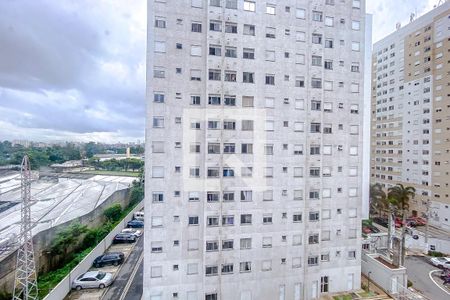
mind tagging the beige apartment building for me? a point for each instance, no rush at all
(410, 118)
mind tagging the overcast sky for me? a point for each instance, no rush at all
(75, 69)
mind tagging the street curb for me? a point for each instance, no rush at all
(118, 270)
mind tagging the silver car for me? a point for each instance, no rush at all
(92, 279)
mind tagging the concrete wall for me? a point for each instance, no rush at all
(381, 274)
(64, 287)
(43, 239)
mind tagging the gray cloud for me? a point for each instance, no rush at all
(72, 68)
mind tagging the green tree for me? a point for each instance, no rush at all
(378, 199)
(113, 212)
(399, 196)
(67, 237)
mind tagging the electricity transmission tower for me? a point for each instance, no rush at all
(25, 283)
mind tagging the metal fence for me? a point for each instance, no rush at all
(64, 287)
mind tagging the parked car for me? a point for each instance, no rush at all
(138, 215)
(135, 224)
(112, 258)
(133, 231)
(381, 221)
(418, 221)
(124, 238)
(92, 279)
(399, 222)
(441, 262)
(373, 228)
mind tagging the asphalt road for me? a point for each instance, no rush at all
(418, 270)
(116, 290)
(136, 287)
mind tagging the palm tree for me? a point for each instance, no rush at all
(399, 196)
(378, 198)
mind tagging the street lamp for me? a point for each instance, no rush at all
(368, 281)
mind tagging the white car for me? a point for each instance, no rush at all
(92, 280)
(441, 262)
(135, 232)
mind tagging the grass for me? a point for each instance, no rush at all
(366, 294)
(113, 173)
(51, 279)
(342, 297)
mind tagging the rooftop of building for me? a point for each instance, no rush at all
(55, 201)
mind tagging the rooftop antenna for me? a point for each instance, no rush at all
(25, 283)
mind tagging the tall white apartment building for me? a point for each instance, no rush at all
(410, 113)
(254, 148)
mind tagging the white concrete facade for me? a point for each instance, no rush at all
(409, 119)
(254, 148)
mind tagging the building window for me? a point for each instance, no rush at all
(316, 60)
(249, 29)
(313, 260)
(249, 5)
(230, 27)
(297, 217)
(248, 77)
(313, 239)
(247, 148)
(246, 243)
(314, 216)
(229, 125)
(270, 79)
(215, 25)
(215, 50)
(246, 196)
(160, 22)
(228, 197)
(230, 76)
(231, 52)
(227, 268)
(211, 271)
(212, 246)
(300, 13)
(324, 284)
(231, 4)
(229, 148)
(212, 196)
(214, 99)
(228, 220)
(245, 266)
(270, 32)
(247, 101)
(193, 220)
(212, 221)
(246, 219)
(214, 74)
(299, 81)
(316, 38)
(270, 9)
(248, 53)
(317, 16)
(196, 27)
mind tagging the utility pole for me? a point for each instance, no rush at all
(403, 253)
(25, 283)
(426, 224)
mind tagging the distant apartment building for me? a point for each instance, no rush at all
(254, 149)
(411, 113)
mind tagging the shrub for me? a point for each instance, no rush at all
(113, 213)
(436, 253)
(410, 284)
